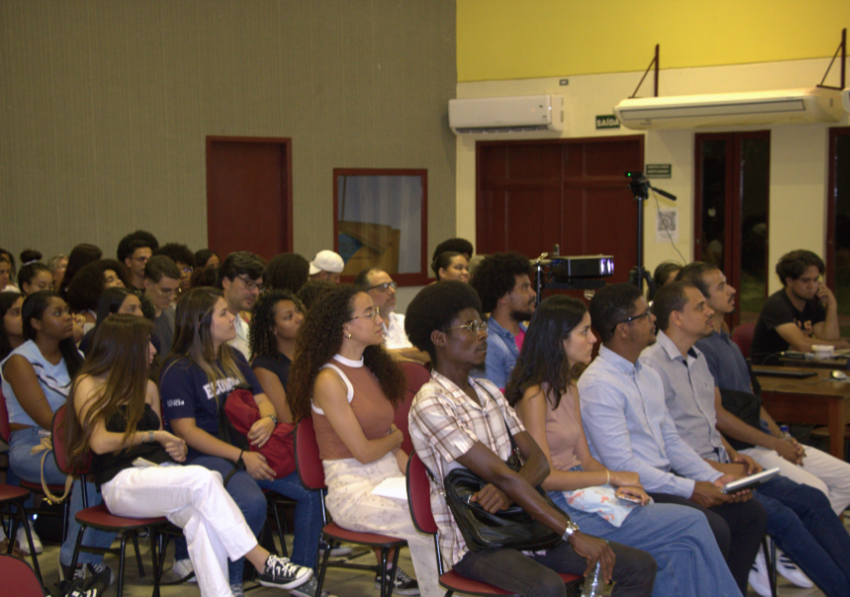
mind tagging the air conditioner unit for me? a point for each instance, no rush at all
(845, 99)
(787, 106)
(507, 114)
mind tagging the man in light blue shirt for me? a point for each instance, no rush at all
(629, 428)
(503, 282)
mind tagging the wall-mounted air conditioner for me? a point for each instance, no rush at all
(787, 106)
(507, 114)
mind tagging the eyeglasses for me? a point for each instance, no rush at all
(383, 287)
(250, 284)
(189, 269)
(473, 327)
(646, 314)
(369, 314)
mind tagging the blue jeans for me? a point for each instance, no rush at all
(308, 517)
(248, 497)
(27, 466)
(680, 539)
(801, 521)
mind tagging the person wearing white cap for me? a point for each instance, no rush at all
(326, 266)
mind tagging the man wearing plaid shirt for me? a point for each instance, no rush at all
(457, 421)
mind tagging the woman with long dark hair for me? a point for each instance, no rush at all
(343, 377)
(200, 371)
(113, 300)
(12, 329)
(36, 378)
(115, 416)
(542, 389)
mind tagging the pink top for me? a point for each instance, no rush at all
(519, 338)
(371, 408)
(563, 432)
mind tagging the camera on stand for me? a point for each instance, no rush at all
(582, 272)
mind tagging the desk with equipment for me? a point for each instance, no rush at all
(814, 398)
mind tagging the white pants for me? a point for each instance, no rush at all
(353, 506)
(193, 498)
(819, 469)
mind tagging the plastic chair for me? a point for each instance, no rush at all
(19, 579)
(743, 337)
(419, 501)
(312, 475)
(100, 518)
(12, 506)
(416, 376)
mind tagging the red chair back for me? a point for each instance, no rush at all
(419, 495)
(60, 451)
(18, 578)
(416, 376)
(307, 461)
(5, 431)
(743, 337)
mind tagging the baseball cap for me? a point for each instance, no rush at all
(326, 261)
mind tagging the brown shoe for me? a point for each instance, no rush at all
(16, 552)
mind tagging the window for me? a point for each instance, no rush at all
(380, 220)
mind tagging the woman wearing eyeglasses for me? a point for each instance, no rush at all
(342, 376)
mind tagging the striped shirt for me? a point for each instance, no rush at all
(444, 425)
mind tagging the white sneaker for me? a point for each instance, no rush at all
(23, 544)
(791, 572)
(759, 578)
(183, 569)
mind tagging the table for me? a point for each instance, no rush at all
(839, 363)
(816, 400)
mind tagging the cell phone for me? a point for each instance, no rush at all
(629, 498)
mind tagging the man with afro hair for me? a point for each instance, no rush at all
(503, 282)
(458, 421)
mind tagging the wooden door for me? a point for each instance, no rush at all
(249, 195)
(533, 194)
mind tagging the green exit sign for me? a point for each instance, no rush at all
(659, 171)
(607, 121)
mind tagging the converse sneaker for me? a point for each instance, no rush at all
(791, 572)
(403, 585)
(759, 578)
(280, 573)
(23, 544)
(308, 589)
(84, 571)
(184, 570)
(237, 591)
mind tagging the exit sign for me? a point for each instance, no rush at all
(607, 121)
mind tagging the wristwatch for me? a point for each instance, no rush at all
(571, 528)
(273, 418)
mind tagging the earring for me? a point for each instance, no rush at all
(348, 335)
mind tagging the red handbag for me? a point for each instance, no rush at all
(241, 411)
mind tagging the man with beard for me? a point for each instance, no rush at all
(240, 276)
(802, 314)
(741, 417)
(629, 428)
(503, 282)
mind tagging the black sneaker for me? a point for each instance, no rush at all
(280, 573)
(403, 585)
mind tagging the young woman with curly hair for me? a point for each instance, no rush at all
(344, 378)
(451, 266)
(200, 371)
(542, 389)
(115, 418)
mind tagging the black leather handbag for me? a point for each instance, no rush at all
(512, 528)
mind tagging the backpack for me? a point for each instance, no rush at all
(236, 415)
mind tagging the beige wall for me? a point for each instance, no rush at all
(798, 159)
(105, 107)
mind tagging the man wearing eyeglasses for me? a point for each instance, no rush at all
(629, 428)
(134, 250)
(162, 278)
(380, 286)
(240, 276)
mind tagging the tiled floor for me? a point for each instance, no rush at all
(343, 583)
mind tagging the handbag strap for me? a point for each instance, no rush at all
(514, 447)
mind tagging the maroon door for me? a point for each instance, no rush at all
(533, 194)
(249, 195)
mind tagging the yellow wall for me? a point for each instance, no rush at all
(520, 39)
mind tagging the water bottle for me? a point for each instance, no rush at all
(785, 432)
(593, 584)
